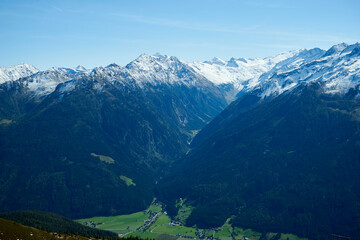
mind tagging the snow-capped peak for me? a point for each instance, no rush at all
(45, 82)
(338, 70)
(112, 65)
(238, 72)
(15, 72)
(338, 48)
(353, 49)
(217, 61)
(150, 63)
(337, 67)
(160, 69)
(81, 68)
(64, 70)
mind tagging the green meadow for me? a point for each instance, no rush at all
(120, 224)
(155, 223)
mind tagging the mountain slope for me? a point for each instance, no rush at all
(337, 69)
(76, 136)
(286, 161)
(281, 166)
(50, 222)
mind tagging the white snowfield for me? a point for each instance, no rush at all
(338, 69)
(15, 72)
(45, 82)
(238, 72)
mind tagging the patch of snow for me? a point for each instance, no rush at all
(16, 72)
(67, 86)
(152, 69)
(45, 82)
(338, 70)
(247, 74)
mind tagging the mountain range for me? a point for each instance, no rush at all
(273, 142)
(282, 157)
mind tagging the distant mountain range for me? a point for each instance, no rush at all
(84, 142)
(238, 74)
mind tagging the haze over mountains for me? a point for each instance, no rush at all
(284, 155)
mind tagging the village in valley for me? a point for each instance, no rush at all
(155, 223)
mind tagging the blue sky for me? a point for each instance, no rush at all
(93, 33)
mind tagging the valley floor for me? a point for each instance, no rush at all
(155, 223)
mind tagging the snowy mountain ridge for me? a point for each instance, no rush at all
(237, 71)
(152, 70)
(338, 68)
(15, 72)
(45, 82)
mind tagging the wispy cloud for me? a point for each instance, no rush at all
(44, 8)
(270, 4)
(252, 30)
(56, 8)
(62, 9)
(309, 37)
(175, 23)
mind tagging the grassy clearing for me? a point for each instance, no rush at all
(149, 235)
(119, 224)
(129, 182)
(6, 122)
(162, 220)
(184, 211)
(174, 230)
(240, 233)
(155, 208)
(166, 237)
(225, 231)
(103, 158)
(285, 236)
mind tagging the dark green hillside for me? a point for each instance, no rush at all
(191, 108)
(49, 154)
(51, 222)
(290, 164)
(75, 153)
(14, 101)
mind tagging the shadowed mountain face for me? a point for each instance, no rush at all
(287, 164)
(69, 151)
(284, 156)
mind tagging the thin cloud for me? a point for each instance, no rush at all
(253, 30)
(325, 38)
(277, 46)
(174, 23)
(271, 5)
(56, 8)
